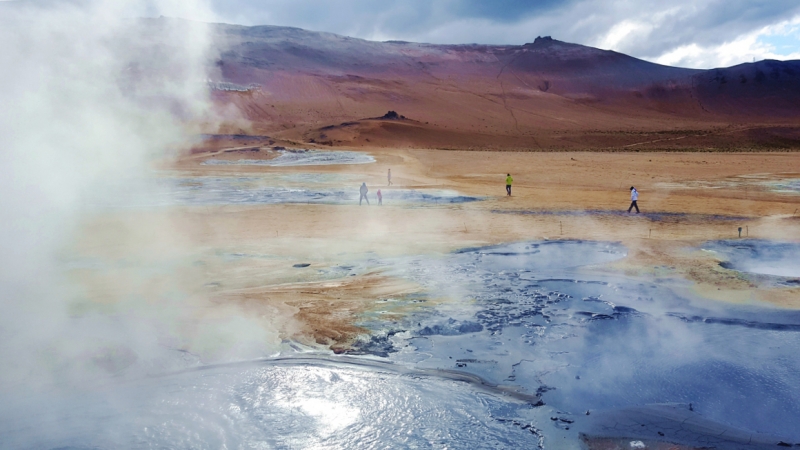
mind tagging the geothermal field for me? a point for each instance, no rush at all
(195, 268)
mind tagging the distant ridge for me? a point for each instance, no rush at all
(546, 94)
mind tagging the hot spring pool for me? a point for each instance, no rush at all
(536, 347)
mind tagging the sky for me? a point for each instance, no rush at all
(687, 33)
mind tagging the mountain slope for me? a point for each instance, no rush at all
(546, 94)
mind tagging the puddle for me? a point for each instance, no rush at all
(299, 158)
(780, 259)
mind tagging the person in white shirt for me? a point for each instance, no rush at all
(389, 177)
(634, 198)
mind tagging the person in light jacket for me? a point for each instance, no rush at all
(363, 196)
(634, 199)
(509, 180)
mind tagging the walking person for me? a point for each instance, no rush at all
(363, 191)
(509, 180)
(389, 177)
(380, 197)
(634, 199)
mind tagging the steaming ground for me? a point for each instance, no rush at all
(539, 333)
(553, 294)
(208, 301)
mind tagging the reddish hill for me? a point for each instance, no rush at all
(320, 87)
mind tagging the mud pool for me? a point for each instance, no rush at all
(531, 317)
(533, 346)
(779, 259)
(316, 404)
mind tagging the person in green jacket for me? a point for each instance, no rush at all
(509, 180)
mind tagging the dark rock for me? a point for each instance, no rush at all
(392, 115)
(300, 265)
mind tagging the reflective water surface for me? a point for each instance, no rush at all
(275, 406)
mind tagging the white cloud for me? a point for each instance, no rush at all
(694, 33)
(624, 31)
(746, 48)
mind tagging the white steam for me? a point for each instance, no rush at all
(90, 96)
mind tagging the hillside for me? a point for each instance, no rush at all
(322, 88)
